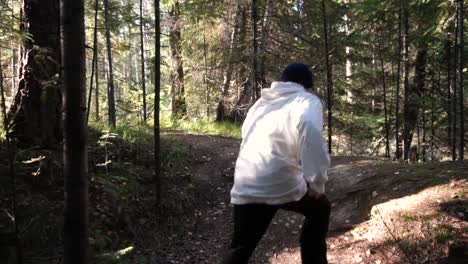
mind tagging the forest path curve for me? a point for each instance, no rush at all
(208, 229)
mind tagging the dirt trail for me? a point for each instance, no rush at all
(351, 188)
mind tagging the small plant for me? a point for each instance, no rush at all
(443, 233)
(407, 217)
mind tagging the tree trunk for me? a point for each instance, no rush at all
(397, 93)
(36, 109)
(454, 96)
(256, 91)
(406, 122)
(221, 109)
(433, 111)
(374, 79)
(266, 27)
(76, 246)
(110, 85)
(207, 90)
(414, 94)
(387, 126)
(94, 62)
(448, 50)
(157, 90)
(423, 116)
(142, 56)
(329, 78)
(11, 170)
(179, 105)
(461, 97)
(348, 66)
(96, 95)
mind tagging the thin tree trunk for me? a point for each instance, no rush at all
(406, 124)
(423, 113)
(433, 112)
(179, 105)
(461, 97)
(13, 71)
(96, 105)
(267, 17)
(454, 96)
(221, 109)
(448, 48)
(207, 90)
(374, 79)
(329, 78)
(256, 91)
(93, 66)
(76, 233)
(397, 93)
(348, 66)
(157, 90)
(110, 85)
(142, 57)
(134, 60)
(387, 126)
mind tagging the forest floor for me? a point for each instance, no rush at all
(382, 212)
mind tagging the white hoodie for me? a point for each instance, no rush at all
(283, 149)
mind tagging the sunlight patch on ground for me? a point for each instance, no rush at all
(425, 203)
(414, 227)
(291, 254)
(118, 254)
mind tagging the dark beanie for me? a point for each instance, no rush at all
(298, 73)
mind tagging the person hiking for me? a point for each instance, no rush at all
(282, 164)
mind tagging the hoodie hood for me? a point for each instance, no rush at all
(281, 90)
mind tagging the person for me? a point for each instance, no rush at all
(282, 164)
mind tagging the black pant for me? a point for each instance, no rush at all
(252, 220)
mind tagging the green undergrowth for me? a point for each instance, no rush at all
(203, 126)
(122, 211)
(126, 184)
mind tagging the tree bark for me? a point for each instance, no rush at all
(207, 89)
(96, 95)
(221, 109)
(266, 27)
(397, 93)
(433, 110)
(110, 85)
(256, 91)
(414, 94)
(448, 50)
(142, 58)
(406, 122)
(329, 78)
(36, 108)
(348, 66)
(179, 105)
(454, 96)
(387, 126)
(76, 246)
(157, 90)
(461, 107)
(94, 62)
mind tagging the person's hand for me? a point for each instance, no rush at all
(313, 194)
